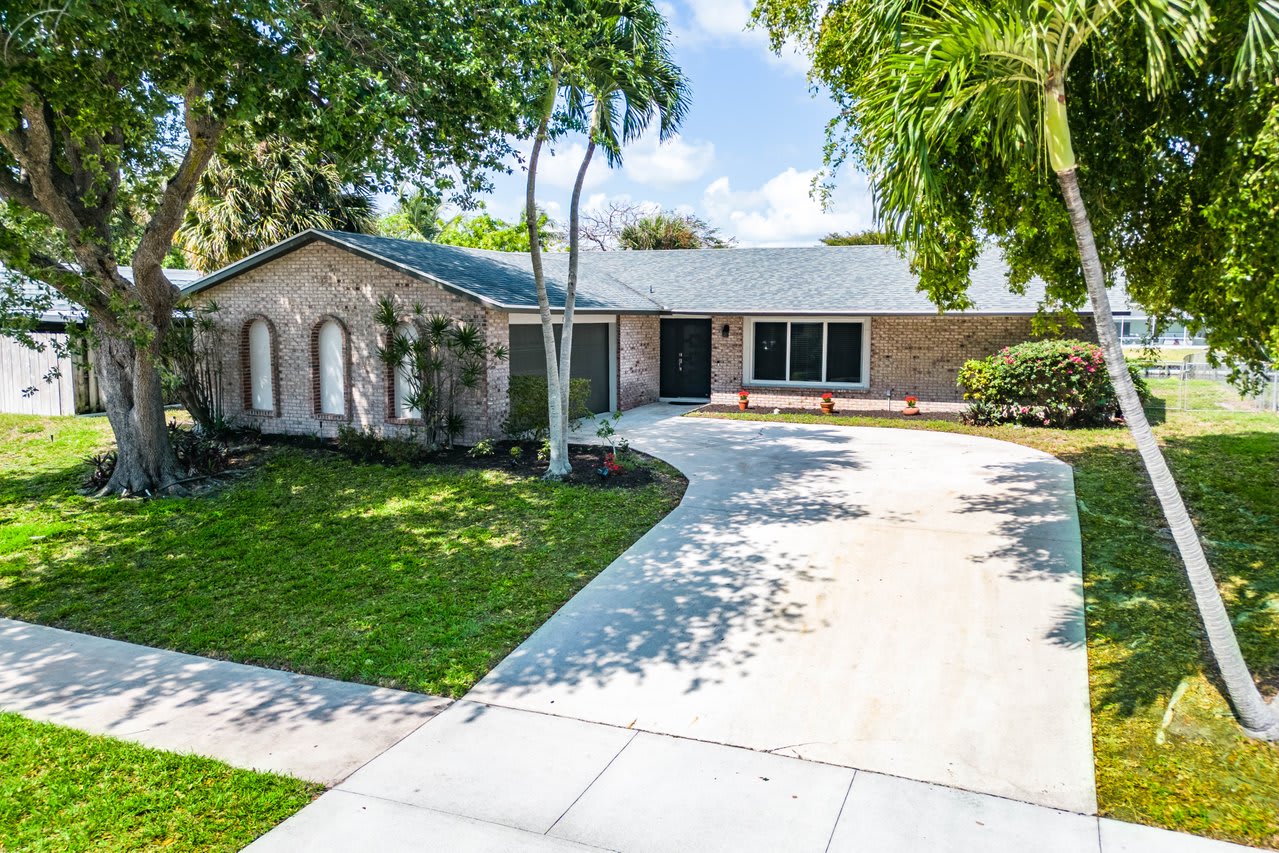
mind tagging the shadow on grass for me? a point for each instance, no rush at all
(16, 485)
(413, 578)
(1144, 628)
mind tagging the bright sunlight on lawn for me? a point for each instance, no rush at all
(63, 790)
(1187, 768)
(418, 578)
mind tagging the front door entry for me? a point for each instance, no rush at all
(686, 358)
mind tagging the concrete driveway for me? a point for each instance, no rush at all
(899, 601)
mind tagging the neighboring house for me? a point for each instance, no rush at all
(1136, 327)
(785, 324)
(51, 380)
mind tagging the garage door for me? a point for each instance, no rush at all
(590, 357)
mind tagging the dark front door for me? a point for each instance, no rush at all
(686, 358)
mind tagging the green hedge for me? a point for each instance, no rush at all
(1043, 383)
(529, 417)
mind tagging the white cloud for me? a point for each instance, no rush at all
(695, 22)
(559, 169)
(783, 212)
(667, 164)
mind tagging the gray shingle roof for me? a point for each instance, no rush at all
(501, 279)
(818, 280)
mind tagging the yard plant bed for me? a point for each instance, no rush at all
(63, 790)
(520, 459)
(638, 468)
(1193, 771)
(418, 577)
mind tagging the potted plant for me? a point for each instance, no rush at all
(912, 407)
(743, 399)
(828, 403)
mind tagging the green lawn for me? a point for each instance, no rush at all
(417, 578)
(62, 790)
(1196, 773)
(1204, 395)
(1168, 353)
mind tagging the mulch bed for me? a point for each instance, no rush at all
(888, 414)
(585, 459)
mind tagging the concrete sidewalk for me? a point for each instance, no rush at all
(263, 719)
(483, 778)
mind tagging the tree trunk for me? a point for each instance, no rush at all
(1258, 718)
(133, 397)
(559, 466)
(570, 288)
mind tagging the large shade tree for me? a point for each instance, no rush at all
(959, 112)
(97, 97)
(610, 74)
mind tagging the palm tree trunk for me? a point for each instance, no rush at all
(570, 286)
(1258, 718)
(559, 467)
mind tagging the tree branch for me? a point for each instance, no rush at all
(204, 133)
(157, 292)
(12, 189)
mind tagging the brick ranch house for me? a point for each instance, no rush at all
(785, 324)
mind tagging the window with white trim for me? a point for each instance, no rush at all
(808, 352)
(331, 364)
(261, 371)
(404, 376)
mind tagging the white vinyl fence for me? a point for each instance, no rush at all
(23, 387)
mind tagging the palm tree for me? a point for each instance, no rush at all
(617, 79)
(999, 70)
(255, 195)
(666, 230)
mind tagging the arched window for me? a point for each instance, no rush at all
(261, 367)
(329, 345)
(260, 379)
(403, 377)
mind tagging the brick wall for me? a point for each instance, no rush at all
(908, 354)
(294, 293)
(638, 360)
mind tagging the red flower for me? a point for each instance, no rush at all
(827, 396)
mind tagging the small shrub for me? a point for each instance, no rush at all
(361, 445)
(481, 448)
(516, 451)
(399, 450)
(103, 467)
(611, 466)
(197, 452)
(529, 418)
(368, 446)
(544, 450)
(1058, 383)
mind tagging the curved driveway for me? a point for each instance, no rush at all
(901, 601)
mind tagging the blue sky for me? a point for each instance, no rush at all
(747, 152)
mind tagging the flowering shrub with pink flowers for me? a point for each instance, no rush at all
(1042, 383)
